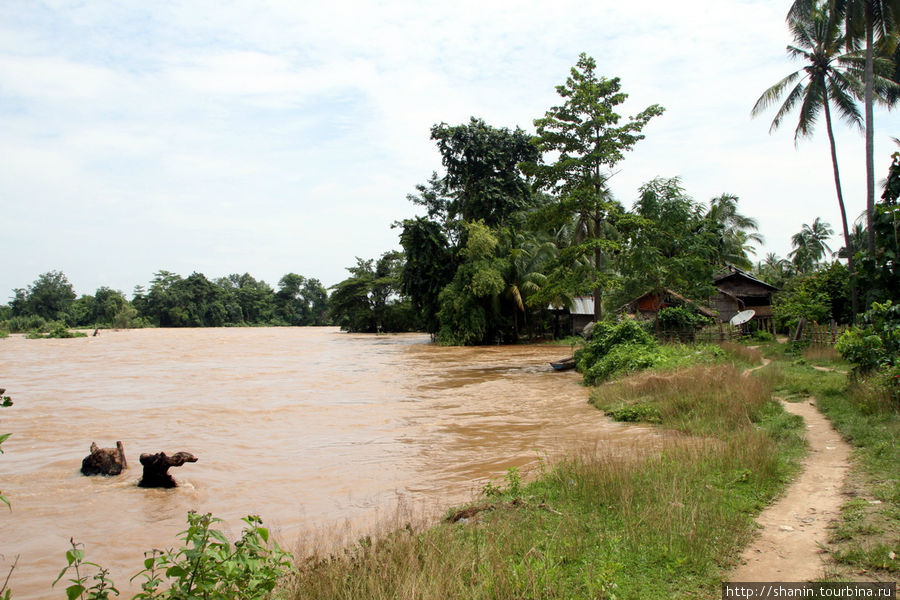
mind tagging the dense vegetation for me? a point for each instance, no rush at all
(172, 301)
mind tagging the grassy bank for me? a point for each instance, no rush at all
(661, 521)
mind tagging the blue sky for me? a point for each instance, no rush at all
(274, 137)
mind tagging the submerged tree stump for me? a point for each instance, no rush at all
(156, 468)
(104, 461)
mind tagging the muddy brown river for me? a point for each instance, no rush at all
(315, 430)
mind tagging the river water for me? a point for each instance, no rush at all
(313, 429)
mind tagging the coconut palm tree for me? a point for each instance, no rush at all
(875, 22)
(828, 78)
(774, 270)
(810, 245)
(735, 231)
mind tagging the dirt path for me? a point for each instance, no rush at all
(793, 529)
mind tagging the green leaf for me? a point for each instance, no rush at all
(263, 533)
(74, 591)
(176, 571)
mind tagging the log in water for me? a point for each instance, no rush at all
(310, 428)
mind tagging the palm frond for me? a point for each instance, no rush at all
(773, 94)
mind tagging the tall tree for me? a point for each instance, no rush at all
(585, 134)
(872, 21)
(669, 243)
(734, 231)
(827, 78)
(810, 245)
(429, 266)
(50, 296)
(483, 178)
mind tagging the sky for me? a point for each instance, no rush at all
(269, 137)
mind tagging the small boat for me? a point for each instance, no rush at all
(564, 364)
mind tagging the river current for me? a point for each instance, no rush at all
(315, 430)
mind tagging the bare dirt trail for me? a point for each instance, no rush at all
(793, 529)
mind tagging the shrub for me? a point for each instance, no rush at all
(680, 318)
(23, 324)
(763, 336)
(876, 343)
(616, 348)
(207, 566)
(57, 329)
(874, 346)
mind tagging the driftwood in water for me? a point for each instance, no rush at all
(156, 468)
(104, 461)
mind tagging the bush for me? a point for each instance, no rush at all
(23, 324)
(876, 343)
(57, 329)
(615, 348)
(763, 336)
(873, 347)
(679, 318)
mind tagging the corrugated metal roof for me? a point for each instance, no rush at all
(581, 305)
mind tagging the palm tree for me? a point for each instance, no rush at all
(829, 77)
(810, 245)
(735, 231)
(774, 270)
(876, 22)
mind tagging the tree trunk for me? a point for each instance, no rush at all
(870, 129)
(854, 303)
(598, 258)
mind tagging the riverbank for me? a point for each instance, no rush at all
(666, 521)
(662, 522)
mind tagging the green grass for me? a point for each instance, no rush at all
(664, 520)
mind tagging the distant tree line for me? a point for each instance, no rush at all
(170, 301)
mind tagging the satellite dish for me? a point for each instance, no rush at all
(742, 317)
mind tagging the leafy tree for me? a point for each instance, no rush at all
(470, 303)
(50, 296)
(483, 179)
(585, 136)
(368, 300)
(194, 301)
(248, 300)
(428, 268)
(820, 296)
(301, 301)
(110, 303)
(827, 78)
(881, 270)
(810, 245)
(669, 243)
(804, 302)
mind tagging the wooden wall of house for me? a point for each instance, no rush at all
(742, 287)
(725, 306)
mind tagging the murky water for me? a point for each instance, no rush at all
(308, 427)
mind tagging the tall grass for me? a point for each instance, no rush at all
(660, 520)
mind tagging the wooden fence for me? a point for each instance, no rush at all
(722, 332)
(818, 335)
